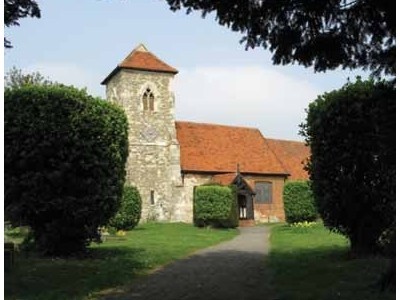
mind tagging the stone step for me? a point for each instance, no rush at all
(247, 223)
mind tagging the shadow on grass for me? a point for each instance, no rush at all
(326, 273)
(109, 266)
(47, 278)
(223, 275)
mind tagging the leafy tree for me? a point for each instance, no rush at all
(17, 9)
(352, 136)
(15, 78)
(323, 33)
(64, 164)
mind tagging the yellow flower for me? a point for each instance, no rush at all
(120, 233)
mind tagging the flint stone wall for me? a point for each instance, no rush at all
(154, 156)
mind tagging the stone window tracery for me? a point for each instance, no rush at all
(148, 100)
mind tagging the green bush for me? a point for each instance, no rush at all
(352, 136)
(128, 215)
(299, 202)
(65, 155)
(215, 206)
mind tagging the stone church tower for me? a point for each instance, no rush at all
(141, 85)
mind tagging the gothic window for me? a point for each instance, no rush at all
(152, 197)
(151, 102)
(148, 100)
(263, 192)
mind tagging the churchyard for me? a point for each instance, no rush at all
(305, 262)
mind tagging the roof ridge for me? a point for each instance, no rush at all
(220, 125)
(284, 140)
(138, 49)
(161, 61)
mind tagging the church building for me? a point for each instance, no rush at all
(169, 158)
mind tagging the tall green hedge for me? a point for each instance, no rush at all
(65, 154)
(216, 206)
(352, 136)
(298, 202)
(128, 215)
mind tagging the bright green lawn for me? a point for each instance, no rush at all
(313, 264)
(114, 263)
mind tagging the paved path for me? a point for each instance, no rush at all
(232, 270)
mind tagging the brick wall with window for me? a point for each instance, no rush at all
(268, 201)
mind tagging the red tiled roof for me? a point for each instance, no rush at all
(141, 59)
(144, 60)
(293, 155)
(220, 148)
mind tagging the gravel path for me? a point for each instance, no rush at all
(232, 270)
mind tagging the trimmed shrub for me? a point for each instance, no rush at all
(352, 136)
(299, 202)
(65, 154)
(216, 206)
(128, 215)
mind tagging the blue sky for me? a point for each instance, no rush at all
(80, 42)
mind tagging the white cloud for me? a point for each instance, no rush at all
(245, 96)
(70, 74)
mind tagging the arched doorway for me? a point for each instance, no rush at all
(244, 198)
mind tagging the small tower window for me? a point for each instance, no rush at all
(148, 100)
(152, 197)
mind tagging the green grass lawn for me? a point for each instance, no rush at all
(114, 263)
(313, 263)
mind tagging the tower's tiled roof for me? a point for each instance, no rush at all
(141, 59)
(220, 149)
(293, 155)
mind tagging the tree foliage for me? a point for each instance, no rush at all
(323, 33)
(15, 78)
(215, 205)
(351, 133)
(64, 162)
(17, 9)
(299, 202)
(128, 215)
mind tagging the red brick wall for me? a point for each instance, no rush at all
(269, 212)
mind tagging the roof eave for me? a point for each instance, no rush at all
(134, 68)
(113, 72)
(215, 172)
(150, 70)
